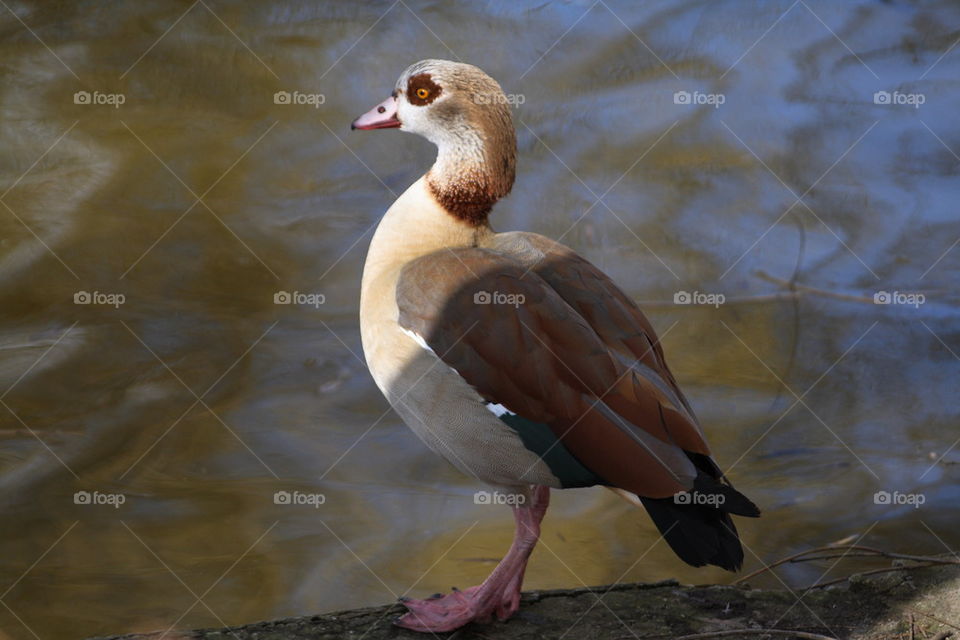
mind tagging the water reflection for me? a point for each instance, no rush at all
(199, 198)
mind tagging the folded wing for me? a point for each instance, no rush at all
(558, 345)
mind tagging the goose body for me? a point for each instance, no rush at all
(418, 385)
(516, 359)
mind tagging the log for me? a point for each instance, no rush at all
(920, 602)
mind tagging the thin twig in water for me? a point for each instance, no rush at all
(795, 308)
(833, 551)
(789, 558)
(894, 556)
(821, 585)
(949, 624)
(826, 293)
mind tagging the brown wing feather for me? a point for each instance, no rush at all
(616, 318)
(557, 358)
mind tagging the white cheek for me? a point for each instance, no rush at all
(413, 119)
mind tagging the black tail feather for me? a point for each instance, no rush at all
(699, 535)
(697, 526)
(715, 492)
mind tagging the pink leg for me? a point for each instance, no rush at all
(511, 595)
(500, 592)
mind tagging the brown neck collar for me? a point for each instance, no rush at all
(469, 198)
(474, 171)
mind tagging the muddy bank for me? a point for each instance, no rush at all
(866, 607)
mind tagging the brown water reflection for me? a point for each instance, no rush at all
(199, 398)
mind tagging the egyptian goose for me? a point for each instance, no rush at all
(516, 359)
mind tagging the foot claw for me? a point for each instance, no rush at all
(454, 610)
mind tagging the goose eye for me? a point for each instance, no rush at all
(422, 90)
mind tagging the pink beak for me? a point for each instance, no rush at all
(382, 116)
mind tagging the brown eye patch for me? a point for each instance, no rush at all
(422, 90)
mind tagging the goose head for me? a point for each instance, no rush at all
(465, 113)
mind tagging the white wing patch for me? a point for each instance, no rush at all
(499, 410)
(496, 409)
(416, 337)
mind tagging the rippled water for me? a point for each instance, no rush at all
(199, 198)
